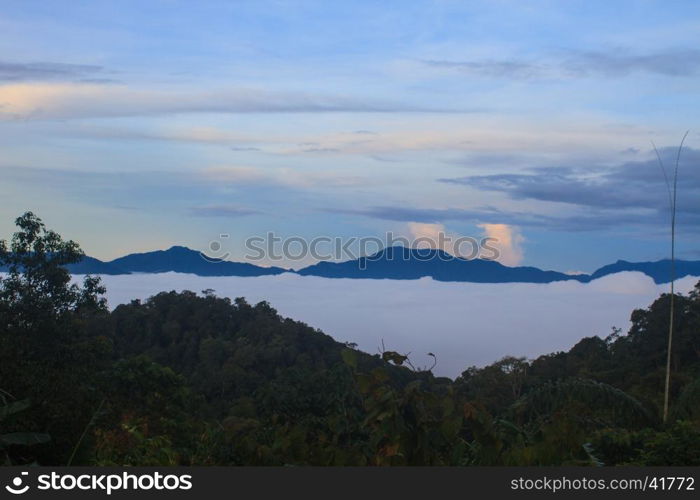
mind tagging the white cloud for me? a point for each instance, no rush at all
(398, 133)
(426, 235)
(462, 323)
(85, 100)
(429, 235)
(508, 241)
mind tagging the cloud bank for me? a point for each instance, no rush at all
(47, 71)
(629, 193)
(629, 185)
(674, 62)
(64, 101)
(462, 323)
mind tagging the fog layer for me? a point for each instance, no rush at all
(463, 324)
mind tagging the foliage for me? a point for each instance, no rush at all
(187, 378)
(10, 409)
(678, 444)
(52, 343)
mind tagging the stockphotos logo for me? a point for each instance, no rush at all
(106, 483)
(18, 487)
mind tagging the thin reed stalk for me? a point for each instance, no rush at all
(672, 191)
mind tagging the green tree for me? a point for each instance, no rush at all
(52, 343)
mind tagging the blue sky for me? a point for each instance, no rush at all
(131, 126)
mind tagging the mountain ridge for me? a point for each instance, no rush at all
(389, 263)
(439, 265)
(185, 260)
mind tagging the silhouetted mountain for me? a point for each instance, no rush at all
(87, 265)
(398, 263)
(411, 263)
(184, 260)
(659, 271)
(91, 265)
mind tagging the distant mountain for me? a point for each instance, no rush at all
(184, 260)
(411, 263)
(403, 263)
(659, 271)
(397, 263)
(91, 265)
(88, 265)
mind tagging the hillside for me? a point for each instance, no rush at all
(188, 379)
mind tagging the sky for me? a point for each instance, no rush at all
(133, 126)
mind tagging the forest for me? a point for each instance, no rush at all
(194, 379)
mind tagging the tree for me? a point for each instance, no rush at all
(38, 287)
(52, 342)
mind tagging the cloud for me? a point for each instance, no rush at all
(465, 321)
(160, 180)
(223, 211)
(631, 185)
(408, 214)
(234, 140)
(321, 150)
(505, 238)
(676, 62)
(630, 151)
(422, 230)
(477, 215)
(620, 197)
(502, 143)
(584, 220)
(285, 177)
(49, 71)
(74, 101)
(491, 68)
(672, 62)
(508, 241)
(435, 236)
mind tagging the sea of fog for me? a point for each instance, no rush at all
(463, 324)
